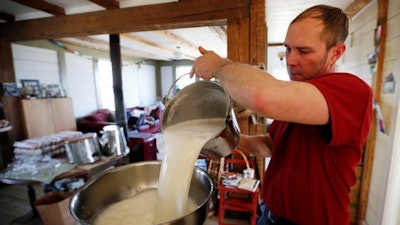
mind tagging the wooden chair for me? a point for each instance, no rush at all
(236, 199)
(215, 170)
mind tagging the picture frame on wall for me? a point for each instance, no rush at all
(31, 87)
(9, 89)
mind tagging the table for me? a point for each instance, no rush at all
(85, 172)
(143, 146)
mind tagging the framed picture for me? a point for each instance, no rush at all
(32, 87)
(9, 89)
(53, 91)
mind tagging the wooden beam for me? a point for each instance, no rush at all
(116, 65)
(368, 161)
(108, 4)
(258, 30)
(149, 43)
(7, 17)
(238, 33)
(275, 44)
(143, 41)
(190, 13)
(103, 46)
(11, 105)
(182, 43)
(220, 31)
(43, 6)
(355, 7)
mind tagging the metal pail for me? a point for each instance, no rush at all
(205, 100)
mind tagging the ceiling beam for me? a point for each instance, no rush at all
(182, 14)
(124, 50)
(355, 7)
(108, 4)
(143, 41)
(43, 6)
(220, 31)
(103, 46)
(84, 42)
(180, 42)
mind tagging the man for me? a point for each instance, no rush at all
(321, 120)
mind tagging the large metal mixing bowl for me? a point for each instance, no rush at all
(124, 181)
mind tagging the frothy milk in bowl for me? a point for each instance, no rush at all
(183, 143)
(198, 117)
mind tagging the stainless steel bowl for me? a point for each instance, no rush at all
(205, 100)
(119, 183)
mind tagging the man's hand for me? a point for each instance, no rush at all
(208, 64)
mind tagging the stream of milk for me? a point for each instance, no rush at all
(183, 143)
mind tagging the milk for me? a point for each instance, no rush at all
(138, 210)
(183, 143)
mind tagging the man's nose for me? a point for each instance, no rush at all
(291, 58)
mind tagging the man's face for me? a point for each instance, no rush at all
(306, 53)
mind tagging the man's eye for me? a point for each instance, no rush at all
(303, 51)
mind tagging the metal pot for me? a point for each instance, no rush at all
(205, 100)
(117, 184)
(83, 149)
(113, 141)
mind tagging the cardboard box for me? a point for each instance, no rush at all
(53, 208)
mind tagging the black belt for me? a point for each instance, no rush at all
(274, 220)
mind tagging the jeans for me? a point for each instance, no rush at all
(266, 218)
(263, 218)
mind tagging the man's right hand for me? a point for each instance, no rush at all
(207, 65)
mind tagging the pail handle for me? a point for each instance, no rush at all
(166, 97)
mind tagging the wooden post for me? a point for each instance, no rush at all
(115, 55)
(246, 44)
(11, 104)
(377, 87)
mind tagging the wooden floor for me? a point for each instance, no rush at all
(14, 205)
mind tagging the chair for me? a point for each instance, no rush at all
(236, 199)
(215, 170)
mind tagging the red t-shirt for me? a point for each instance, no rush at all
(312, 168)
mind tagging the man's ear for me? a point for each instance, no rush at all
(336, 52)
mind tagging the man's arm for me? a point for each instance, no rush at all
(259, 145)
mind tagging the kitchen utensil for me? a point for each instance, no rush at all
(205, 100)
(113, 141)
(83, 149)
(117, 184)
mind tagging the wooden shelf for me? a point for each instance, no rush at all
(47, 116)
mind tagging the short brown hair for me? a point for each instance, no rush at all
(335, 20)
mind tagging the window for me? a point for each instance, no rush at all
(105, 82)
(183, 78)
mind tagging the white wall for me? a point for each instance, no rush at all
(80, 84)
(359, 44)
(147, 84)
(79, 81)
(167, 78)
(130, 85)
(35, 63)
